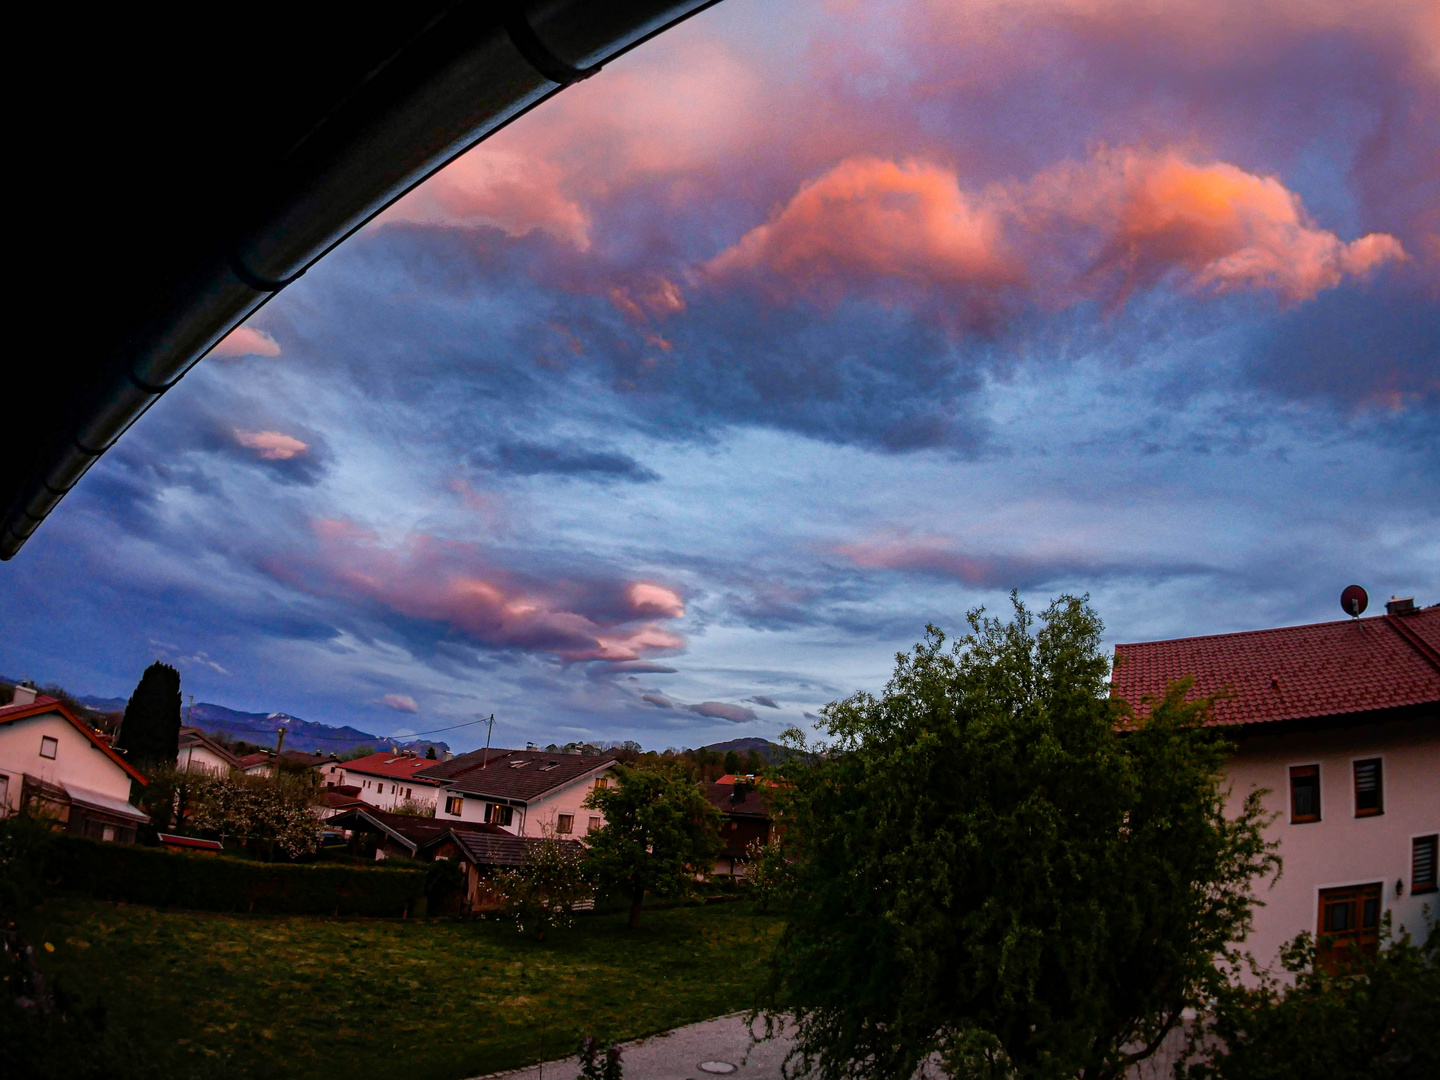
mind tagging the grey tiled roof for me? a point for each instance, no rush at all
(492, 849)
(523, 775)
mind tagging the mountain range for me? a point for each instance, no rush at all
(260, 728)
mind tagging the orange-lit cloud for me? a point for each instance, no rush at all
(1216, 226)
(512, 191)
(1101, 228)
(271, 445)
(246, 341)
(449, 583)
(868, 218)
(400, 703)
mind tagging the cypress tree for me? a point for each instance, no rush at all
(150, 731)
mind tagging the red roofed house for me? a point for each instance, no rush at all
(747, 821)
(58, 767)
(1340, 723)
(389, 780)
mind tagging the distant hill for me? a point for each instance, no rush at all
(771, 752)
(260, 728)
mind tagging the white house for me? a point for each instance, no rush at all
(390, 780)
(525, 792)
(56, 765)
(198, 752)
(1339, 723)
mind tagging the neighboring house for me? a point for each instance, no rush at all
(1340, 723)
(260, 763)
(328, 767)
(389, 780)
(747, 820)
(525, 792)
(53, 763)
(198, 752)
(390, 835)
(480, 854)
(336, 800)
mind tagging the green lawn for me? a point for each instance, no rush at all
(205, 995)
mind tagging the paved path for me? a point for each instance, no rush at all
(684, 1054)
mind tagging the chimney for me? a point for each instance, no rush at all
(1401, 606)
(446, 755)
(24, 695)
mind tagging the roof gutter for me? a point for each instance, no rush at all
(475, 69)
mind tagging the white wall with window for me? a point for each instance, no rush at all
(1357, 810)
(559, 812)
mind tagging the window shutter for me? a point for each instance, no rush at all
(1422, 863)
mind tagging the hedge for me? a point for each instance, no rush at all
(136, 874)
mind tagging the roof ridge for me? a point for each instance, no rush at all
(1414, 640)
(1262, 630)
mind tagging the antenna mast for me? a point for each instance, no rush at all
(488, 732)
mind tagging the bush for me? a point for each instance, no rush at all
(141, 875)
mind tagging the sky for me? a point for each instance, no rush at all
(676, 408)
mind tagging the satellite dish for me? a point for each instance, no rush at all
(1353, 600)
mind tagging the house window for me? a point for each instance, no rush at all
(107, 833)
(1422, 863)
(1304, 793)
(1369, 788)
(594, 824)
(601, 783)
(495, 814)
(453, 803)
(1349, 920)
(48, 746)
(565, 824)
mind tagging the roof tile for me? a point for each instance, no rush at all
(1293, 672)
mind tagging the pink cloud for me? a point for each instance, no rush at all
(512, 191)
(648, 599)
(1123, 220)
(450, 583)
(400, 703)
(870, 219)
(246, 341)
(1216, 226)
(271, 445)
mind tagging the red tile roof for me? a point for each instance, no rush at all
(1294, 672)
(394, 767)
(42, 705)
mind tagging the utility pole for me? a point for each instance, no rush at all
(279, 746)
(490, 731)
(190, 709)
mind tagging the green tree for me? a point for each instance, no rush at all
(430, 754)
(992, 866)
(660, 831)
(150, 731)
(732, 762)
(1371, 1017)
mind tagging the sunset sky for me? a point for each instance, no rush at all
(677, 407)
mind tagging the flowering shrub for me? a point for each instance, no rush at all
(542, 893)
(254, 808)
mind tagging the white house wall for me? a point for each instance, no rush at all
(201, 759)
(77, 760)
(1341, 849)
(540, 813)
(386, 793)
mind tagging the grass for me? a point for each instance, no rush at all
(248, 996)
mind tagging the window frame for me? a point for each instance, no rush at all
(1433, 885)
(1301, 772)
(1334, 946)
(1379, 808)
(454, 804)
(564, 824)
(53, 744)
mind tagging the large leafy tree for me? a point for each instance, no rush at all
(992, 865)
(150, 731)
(659, 831)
